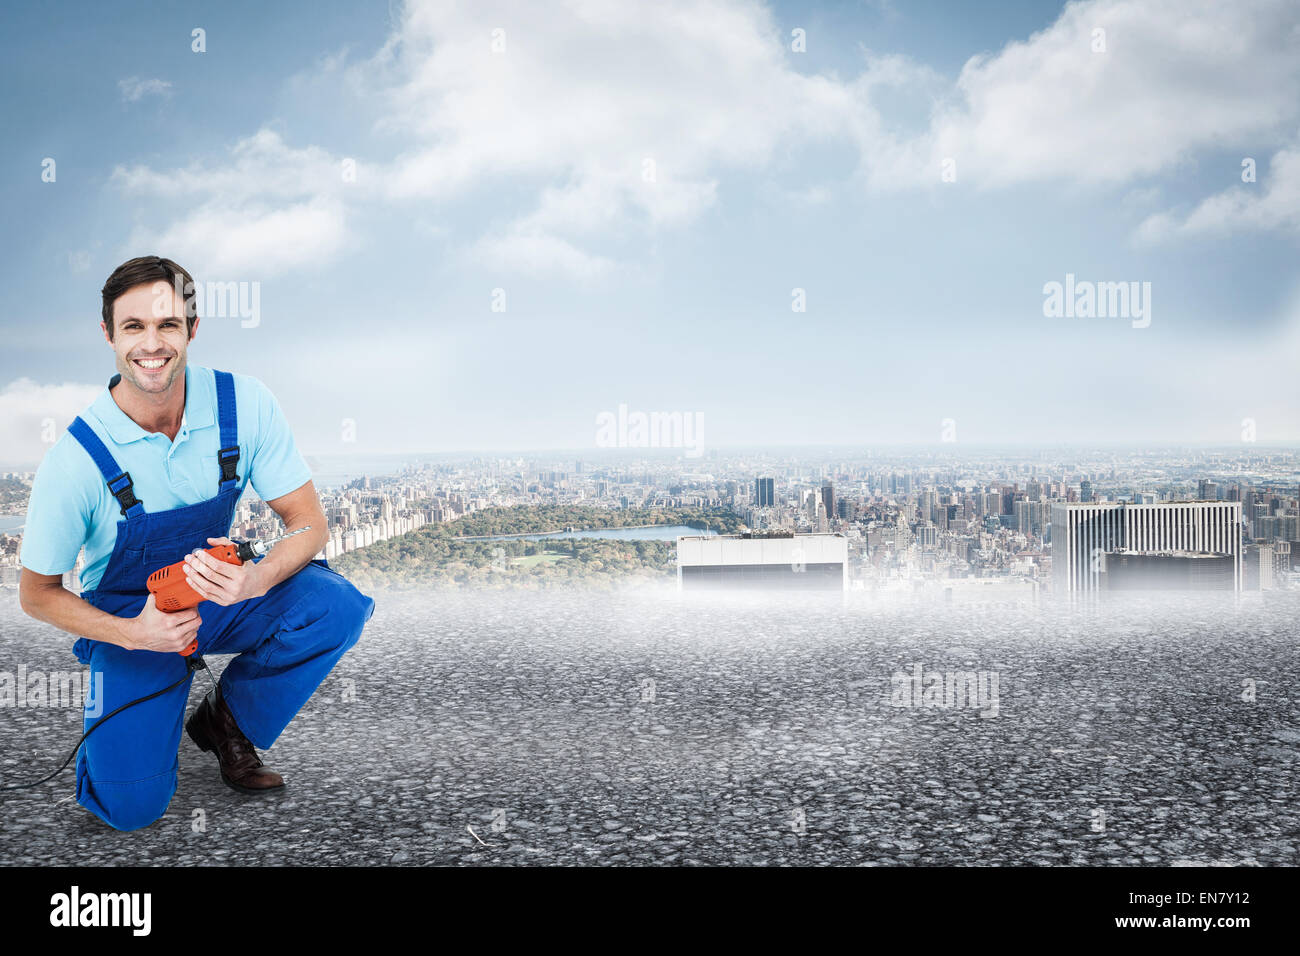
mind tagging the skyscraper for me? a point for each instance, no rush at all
(1083, 534)
(927, 536)
(765, 493)
(816, 562)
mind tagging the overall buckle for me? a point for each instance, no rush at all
(229, 458)
(124, 495)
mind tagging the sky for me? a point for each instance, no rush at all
(484, 226)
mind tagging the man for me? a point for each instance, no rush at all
(146, 476)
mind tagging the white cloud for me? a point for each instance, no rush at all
(1272, 203)
(134, 88)
(268, 209)
(220, 242)
(609, 121)
(539, 255)
(1176, 76)
(261, 166)
(31, 413)
(619, 117)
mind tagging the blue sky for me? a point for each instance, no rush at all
(525, 168)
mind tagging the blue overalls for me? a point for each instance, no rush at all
(287, 640)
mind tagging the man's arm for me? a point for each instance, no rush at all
(44, 597)
(277, 467)
(297, 509)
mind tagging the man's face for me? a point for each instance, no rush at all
(149, 326)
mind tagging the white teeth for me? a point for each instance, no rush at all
(151, 363)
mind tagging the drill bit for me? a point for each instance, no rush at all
(261, 547)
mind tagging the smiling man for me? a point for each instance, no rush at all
(149, 475)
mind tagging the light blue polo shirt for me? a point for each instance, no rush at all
(71, 506)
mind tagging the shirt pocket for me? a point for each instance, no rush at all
(209, 477)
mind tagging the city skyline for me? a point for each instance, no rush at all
(910, 520)
(361, 463)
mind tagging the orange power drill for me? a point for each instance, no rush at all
(172, 591)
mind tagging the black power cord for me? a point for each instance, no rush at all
(193, 663)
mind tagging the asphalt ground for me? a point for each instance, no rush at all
(645, 727)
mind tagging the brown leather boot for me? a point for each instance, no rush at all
(212, 727)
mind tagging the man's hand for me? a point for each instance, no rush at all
(222, 583)
(163, 631)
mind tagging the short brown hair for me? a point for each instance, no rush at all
(144, 270)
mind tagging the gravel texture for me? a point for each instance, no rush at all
(645, 727)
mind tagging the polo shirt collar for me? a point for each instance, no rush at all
(123, 429)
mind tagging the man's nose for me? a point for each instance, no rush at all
(153, 341)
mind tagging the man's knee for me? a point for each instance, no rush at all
(347, 610)
(130, 805)
(329, 605)
(354, 610)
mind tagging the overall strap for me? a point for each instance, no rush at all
(228, 456)
(119, 481)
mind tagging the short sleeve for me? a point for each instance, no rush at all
(277, 467)
(58, 521)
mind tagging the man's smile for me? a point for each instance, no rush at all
(151, 365)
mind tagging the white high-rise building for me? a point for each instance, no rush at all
(763, 561)
(1084, 534)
